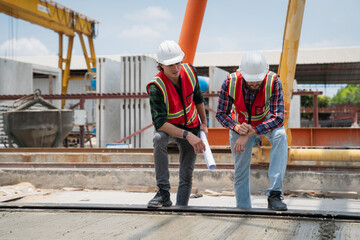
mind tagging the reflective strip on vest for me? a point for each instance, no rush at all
(179, 113)
(190, 74)
(162, 87)
(232, 85)
(268, 89)
(232, 92)
(193, 116)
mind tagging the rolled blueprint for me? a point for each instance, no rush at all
(209, 158)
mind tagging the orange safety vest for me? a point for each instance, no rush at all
(175, 109)
(261, 105)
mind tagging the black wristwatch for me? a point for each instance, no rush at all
(185, 133)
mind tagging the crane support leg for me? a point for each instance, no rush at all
(90, 61)
(289, 53)
(66, 71)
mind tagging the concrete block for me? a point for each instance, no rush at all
(342, 194)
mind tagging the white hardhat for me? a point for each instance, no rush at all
(169, 52)
(253, 67)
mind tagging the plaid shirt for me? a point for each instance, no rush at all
(158, 107)
(276, 113)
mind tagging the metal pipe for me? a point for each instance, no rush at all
(289, 52)
(191, 27)
(328, 155)
(316, 111)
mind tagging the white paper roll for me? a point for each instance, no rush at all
(209, 158)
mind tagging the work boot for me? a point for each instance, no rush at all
(161, 199)
(275, 201)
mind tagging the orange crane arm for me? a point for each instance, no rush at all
(191, 27)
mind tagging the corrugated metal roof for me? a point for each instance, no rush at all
(305, 56)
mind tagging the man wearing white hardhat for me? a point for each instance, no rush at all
(251, 104)
(176, 103)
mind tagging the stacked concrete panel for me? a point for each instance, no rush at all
(119, 118)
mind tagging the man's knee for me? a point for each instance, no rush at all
(280, 134)
(160, 139)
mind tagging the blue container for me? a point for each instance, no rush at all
(204, 83)
(93, 81)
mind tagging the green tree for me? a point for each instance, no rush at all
(323, 101)
(307, 101)
(347, 95)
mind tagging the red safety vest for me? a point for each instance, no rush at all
(175, 109)
(261, 104)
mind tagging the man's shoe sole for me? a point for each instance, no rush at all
(166, 204)
(279, 209)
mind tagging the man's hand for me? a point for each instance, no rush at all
(204, 128)
(243, 129)
(239, 146)
(196, 142)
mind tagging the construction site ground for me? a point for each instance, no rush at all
(72, 213)
(61, 195)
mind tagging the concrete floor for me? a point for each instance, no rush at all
(62, 224)
(131, 198)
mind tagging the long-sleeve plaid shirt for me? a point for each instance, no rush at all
(276, 113)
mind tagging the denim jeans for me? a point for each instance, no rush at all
(161, 162)
(277, 167)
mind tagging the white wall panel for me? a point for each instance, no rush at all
(15, 77)
(295, 116)
(216, 79)
(108, 111)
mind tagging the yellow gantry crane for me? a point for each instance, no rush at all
(62, 20)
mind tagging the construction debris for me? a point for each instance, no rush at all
(314, 194)
(17, 191)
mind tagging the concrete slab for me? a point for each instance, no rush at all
(108, 225)
(130, 198)
(61, 224)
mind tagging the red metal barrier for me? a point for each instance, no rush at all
(307, 137)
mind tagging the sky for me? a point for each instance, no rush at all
(139, 26)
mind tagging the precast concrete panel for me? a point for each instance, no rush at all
(136, 72)
(148, 70)
(15, 77)
(137, 85)
(216, 79)
(294, 118)
(108, 110)
(132, 108)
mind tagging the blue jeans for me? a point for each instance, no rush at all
(277, 167)
(161, 162)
